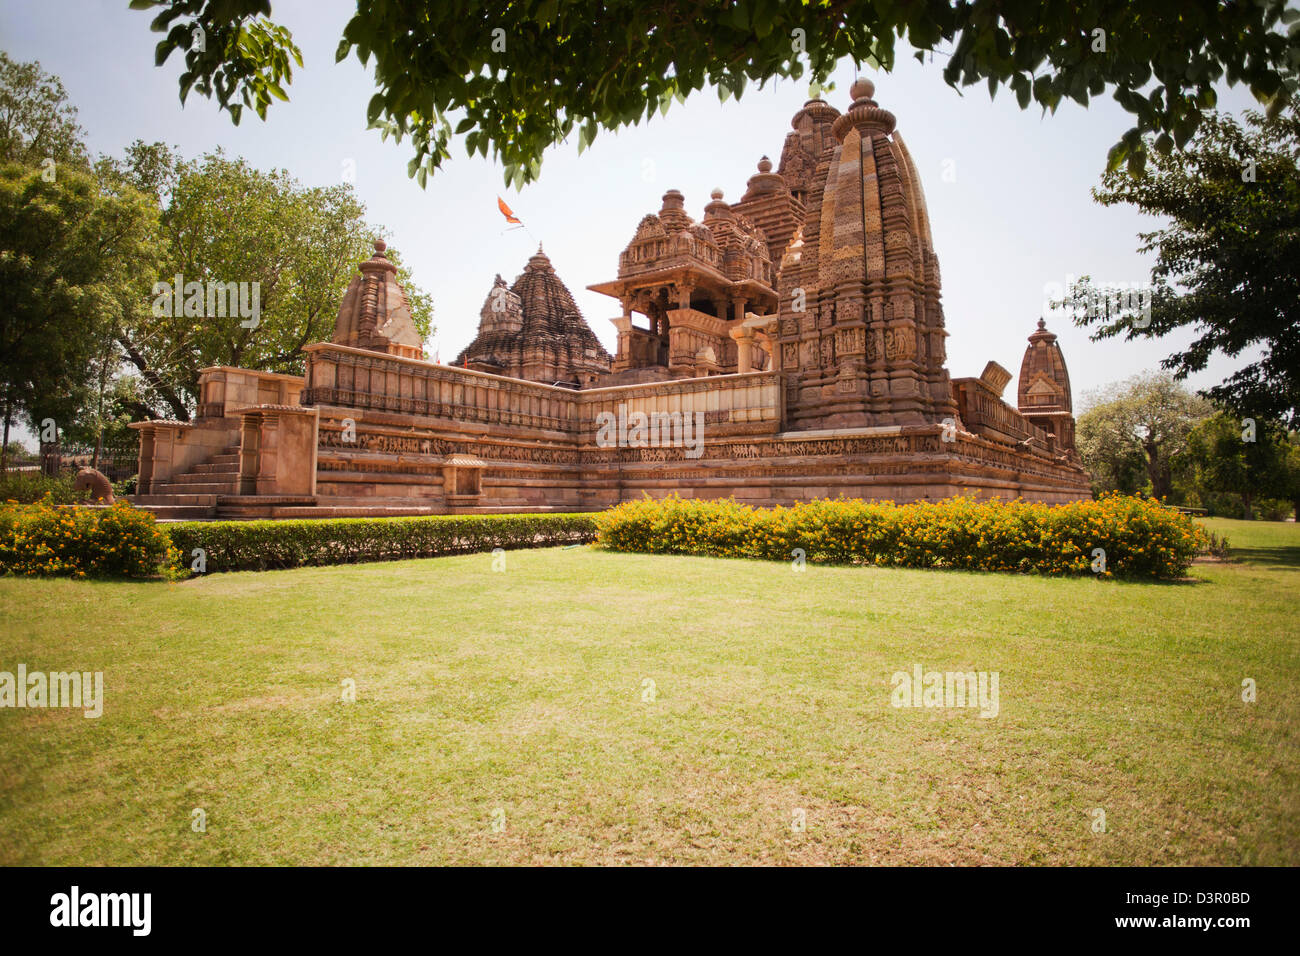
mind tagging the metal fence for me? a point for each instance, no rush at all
(116, 461)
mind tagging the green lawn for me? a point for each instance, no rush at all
(523, 692)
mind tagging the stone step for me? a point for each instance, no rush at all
(199, 478)
(215, 469)
(181, 512)
(195, 488)
(258, 500)
(367, 511)
(147, 501)
(379, 501)
(229, 458)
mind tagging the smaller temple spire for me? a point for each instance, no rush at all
(375, 313)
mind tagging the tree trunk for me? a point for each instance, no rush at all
(4, 449)
(170, 397)
(1245, 500)
(1157, 471)
(103, 375)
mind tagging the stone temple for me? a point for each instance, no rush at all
(785, 347)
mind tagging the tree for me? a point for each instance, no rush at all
(1290, 480)
(69, 252)
(1228, 263)
(223, 222)
(37, 123)
(522, 76)
(1245, 458)
(1132, 433)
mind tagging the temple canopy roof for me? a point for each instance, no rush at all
(726, 255)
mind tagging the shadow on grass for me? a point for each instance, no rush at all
(1183, 582)
(1273, 559)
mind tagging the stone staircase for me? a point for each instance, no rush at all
(193, 495)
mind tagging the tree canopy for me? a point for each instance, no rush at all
(70, 253)
(1228, 262)
(1132, 432)
(1250, 459)
(224, 221)
(37, 123)
(515, 78)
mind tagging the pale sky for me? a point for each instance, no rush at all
(1013, 213)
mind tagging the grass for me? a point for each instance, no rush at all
(525, 692)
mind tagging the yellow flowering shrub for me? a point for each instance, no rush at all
(1138, 537)
(118, 541)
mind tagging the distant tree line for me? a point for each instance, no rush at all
(1151, 435)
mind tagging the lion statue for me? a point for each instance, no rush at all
(100, 488)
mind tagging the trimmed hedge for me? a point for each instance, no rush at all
(49, 539)
(261, 545)
(1141, 538)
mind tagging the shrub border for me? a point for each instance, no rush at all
(317, 542)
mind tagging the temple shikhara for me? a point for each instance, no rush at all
(796, 336)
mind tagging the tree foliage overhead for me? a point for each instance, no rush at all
(1228, 262)
(518, 77)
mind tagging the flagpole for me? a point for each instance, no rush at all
(513, 219)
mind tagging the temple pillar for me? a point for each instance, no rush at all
(744, 338)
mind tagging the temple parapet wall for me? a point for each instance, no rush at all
(727, 404)
(370, 381)
(984, 412)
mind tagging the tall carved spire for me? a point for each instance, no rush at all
(1044, 384)
(867, 348)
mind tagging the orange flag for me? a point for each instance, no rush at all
(505, 211)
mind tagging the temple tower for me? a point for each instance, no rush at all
(861, 328)
(772, 207)
(1043, 392)
(534, 331)
(375, 313)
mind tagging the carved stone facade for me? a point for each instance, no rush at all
(794, 340)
